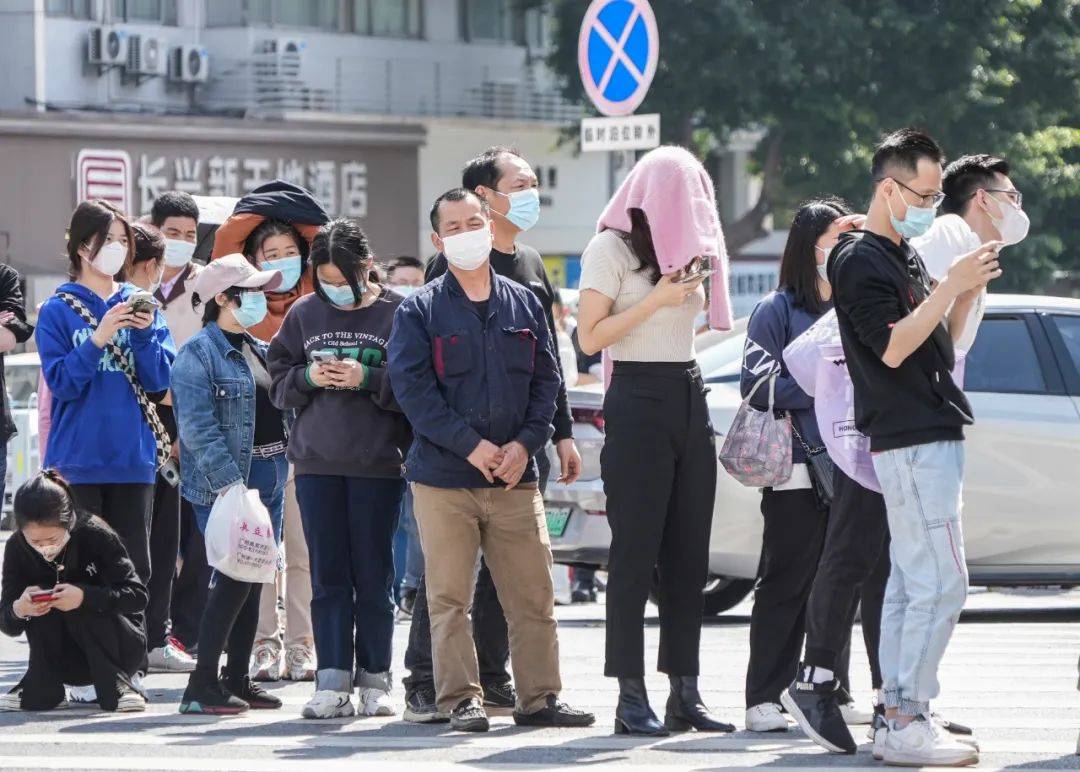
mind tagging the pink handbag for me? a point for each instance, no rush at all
(757, 448)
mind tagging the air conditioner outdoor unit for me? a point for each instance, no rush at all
(190, 64)
(147, 56)
(108, 46)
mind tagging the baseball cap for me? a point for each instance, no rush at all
(233, 271)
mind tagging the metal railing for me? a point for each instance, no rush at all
(384, 86)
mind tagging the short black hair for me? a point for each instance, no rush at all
(211, 310)
(966, 175)
(904, 149)
(405, 261)
(454, 194)
(173, 203)
(484, 169)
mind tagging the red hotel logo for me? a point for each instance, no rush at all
(104, 174)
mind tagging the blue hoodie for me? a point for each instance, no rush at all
(99, 434)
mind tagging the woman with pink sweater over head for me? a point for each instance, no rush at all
(642, 282)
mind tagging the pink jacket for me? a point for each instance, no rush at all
(673, 189)
(44, 415)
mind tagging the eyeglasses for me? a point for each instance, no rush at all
(935, 199)
(1014, 195)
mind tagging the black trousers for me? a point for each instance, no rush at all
(79, 648)
(490, 634)
(232, 614)
(164, 548)
(190, 588)
(127, 507)
(850, 567)
(659, 470)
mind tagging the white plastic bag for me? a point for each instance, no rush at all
(802, 355)
(240, 538)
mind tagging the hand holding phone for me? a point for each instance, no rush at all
(45, 596)
(698, 268)
(143, 302)
(323, 356)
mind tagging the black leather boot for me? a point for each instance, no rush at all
(686, 711)
(633, 714)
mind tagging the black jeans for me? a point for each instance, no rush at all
(791, 546)
(79, 648)
(127, 508)
(190, 587)
(659, 470)
(490, 633)
(232, 614)
(851, 558)
(164, 548)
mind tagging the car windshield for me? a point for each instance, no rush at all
(722, 362)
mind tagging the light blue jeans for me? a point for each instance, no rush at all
(929, 579)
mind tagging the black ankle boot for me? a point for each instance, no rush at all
(685, 709)
(633, 714)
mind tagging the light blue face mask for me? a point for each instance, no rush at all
(342, 296)
(916, 222)
(405, 290)
(252, 309)
(524, 208)
(290, 268)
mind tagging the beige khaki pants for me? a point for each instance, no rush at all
(295, 581)
(509, 527)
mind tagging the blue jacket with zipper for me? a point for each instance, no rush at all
(461, 378)
(99, 434)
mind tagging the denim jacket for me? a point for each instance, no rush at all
(214, 399)
(461, 378)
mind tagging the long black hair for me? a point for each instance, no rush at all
(640, 239)
(45, 499)
(342, 243)
(90, 223)
(798, 266)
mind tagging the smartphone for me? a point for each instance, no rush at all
(170, 473)
(323, 356)
(42, 597)
(142, 301)
(695, 275)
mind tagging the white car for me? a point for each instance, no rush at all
(1023, 457)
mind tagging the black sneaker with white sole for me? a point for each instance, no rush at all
(816, 708)
(500, 695)
(469, 716)
(421, 707)
(555, 713)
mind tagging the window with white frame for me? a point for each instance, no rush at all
(388, 18)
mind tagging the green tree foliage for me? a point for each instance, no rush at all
(824, 79)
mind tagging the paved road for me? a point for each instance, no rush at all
(1011, 672)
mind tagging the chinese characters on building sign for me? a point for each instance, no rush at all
(632, 132)
(341, 187)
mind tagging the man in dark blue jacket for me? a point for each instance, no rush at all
(472, 367)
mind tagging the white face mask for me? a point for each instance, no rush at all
(822, 266)
(110, 258)
(50, 551)
(1013, 224)
(468, 251)
(178, 252)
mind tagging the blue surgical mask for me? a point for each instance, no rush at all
(252, 309)
(916, 222)
(524, 208)
(290, 268)
(405, 290)
(342, 296)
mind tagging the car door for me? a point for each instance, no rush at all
(1023, 453)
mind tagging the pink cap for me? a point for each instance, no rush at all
(233, 271)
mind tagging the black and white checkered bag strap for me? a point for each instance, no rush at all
(161, 437)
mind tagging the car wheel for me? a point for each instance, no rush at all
(721, 594)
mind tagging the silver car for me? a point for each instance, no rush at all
(1021, 516)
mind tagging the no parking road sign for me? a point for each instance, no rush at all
(618, 48)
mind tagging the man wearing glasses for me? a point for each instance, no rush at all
(898, 331)
(981, 204)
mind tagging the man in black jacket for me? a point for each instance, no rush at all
(13, 320)
(506, 182)
(898, 331)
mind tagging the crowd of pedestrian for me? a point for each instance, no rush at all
(353, 397)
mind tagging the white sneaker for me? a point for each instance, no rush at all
(12, 702)
(855, 717)
(130, 702)
(376, 702)
(766, 717)
(878, 735)
(170, 659)
(921, 744)
(82, 695)
(328, 704)
(266, 662)
(940, 723)
(300, 663)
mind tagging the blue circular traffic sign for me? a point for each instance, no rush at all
(618, 48)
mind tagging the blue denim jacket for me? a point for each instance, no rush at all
(214, 400)
(461, 378)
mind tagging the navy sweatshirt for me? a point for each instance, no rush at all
(774, 323)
